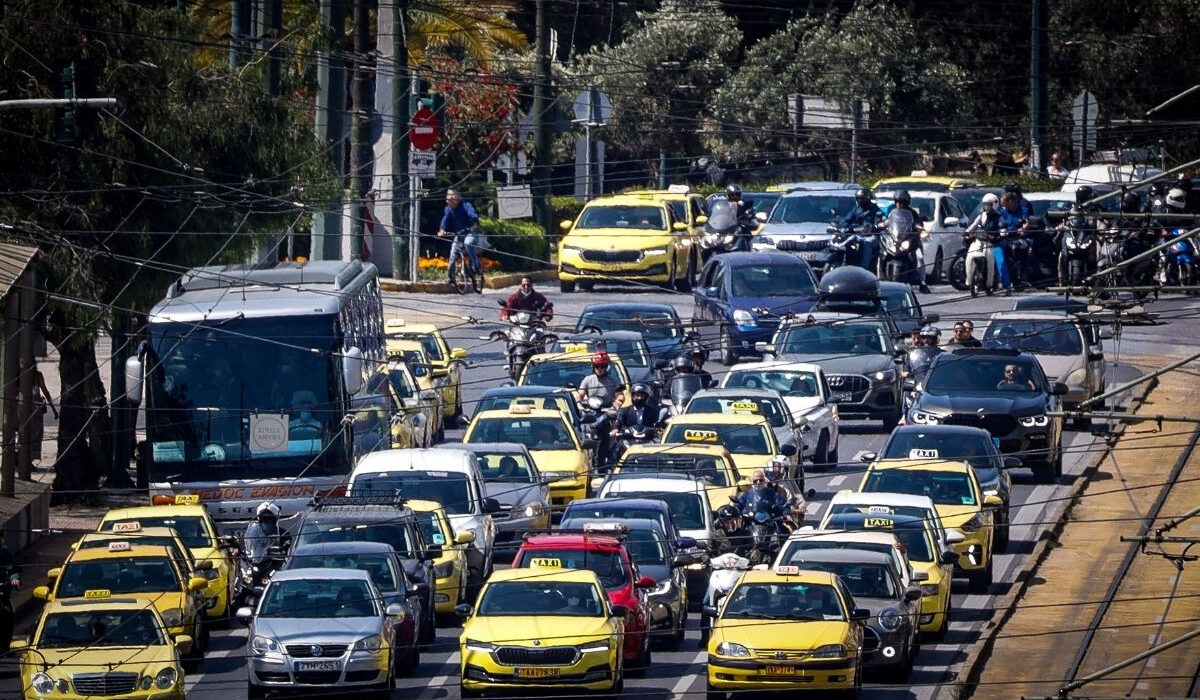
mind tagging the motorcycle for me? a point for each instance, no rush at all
(680, 390)
(724, 232)
(766, 532)
(979, 259)
(1078, 251)
(898, 247)
(633, 435)
(1176, 262)
(726, 569)
(525, 337)
(845, 248)
(253, 577)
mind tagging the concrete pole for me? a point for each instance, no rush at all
(28, 367)
(541, 120)
(360, 145)
(400, 145)
(1039, 101)
(239, 33)
(331, 100)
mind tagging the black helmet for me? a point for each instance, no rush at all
(1012, 186)
(1184, 182)
(728, 512)
(864, 193)
(682, 364)
(902, 196)
(1130, 202)
(640, 388)
(733, 190)
(1158, 187)
(1084, 193)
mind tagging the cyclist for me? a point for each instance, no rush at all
(460, 220)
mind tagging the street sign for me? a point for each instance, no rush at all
(592, 108)
(505, 162)
(422, 163)
(424, 130)
(515, 202)
(1083, 114)
(819, 113)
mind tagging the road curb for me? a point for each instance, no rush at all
(491, 282)
(966, 674)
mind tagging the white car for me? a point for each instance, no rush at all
(800, 221)
(893, 504)
(944, 224)
(1065, 346)
(686, 497)
(806, 393)
(869, 540)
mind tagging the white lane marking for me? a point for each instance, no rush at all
(191, 679)
(435, 684)
(814, 508)
(837, 480)
(682, 685)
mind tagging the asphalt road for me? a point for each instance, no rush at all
(680, 674)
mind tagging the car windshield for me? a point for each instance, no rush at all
(787, 382)
(786, 600)
(967, 373)
(771, 409)
(913, 539)
(387, 531)
(117, 576)
(607, 565)
(645, 548)
(191, 529)
(563, 373)
(772, 280)
(312, 598)
(811, 208)
(535, 433)
(637, 217)
(831, 340)
(505, 467)
(711, 469)
(863, 580)
(900, 303)
(431, 528)
(402, 382)
(450, 489)
(913, 444)
(687, 509)
(615, 510)
(738, 439)
(429, 342)
(550, 402)
(105, 628)
(540, 598)
(633, 352)
(945, 488)
(378, 565)
(653, 325)
(1041, 337)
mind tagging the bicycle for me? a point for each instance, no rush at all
(465, 272)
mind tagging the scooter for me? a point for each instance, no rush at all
(726, 570)
(979, 262)
(1176, 264)
(845, 248)
(898, 247)
(680, 390)
(724, 232)
(1078, 251)
(525, 336)
(253, 577)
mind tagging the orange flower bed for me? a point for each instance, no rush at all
(443, 263)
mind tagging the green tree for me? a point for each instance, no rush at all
(192, 163)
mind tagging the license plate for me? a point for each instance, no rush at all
(780, 671)
(841, 396)
(537, 672)
(318, 666)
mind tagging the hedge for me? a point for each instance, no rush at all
(517, 245)
(564, 209)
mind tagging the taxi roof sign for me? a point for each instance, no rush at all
(545, 563)
(393, 323)
(187, 499)
(606, 528)
(698, 435)
(576, 347)
(119, 546)
(97, 593)
(521, 409)
(879, 510)
(127, 526)
(679, 189)
(789, 570)
(751, 406)
(886, 523)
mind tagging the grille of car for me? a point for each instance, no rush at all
(611, 256)
(308, 651)
(524, 656)
(104, 683)
(779, 655)
(996, 425)
(318, 677)
(801, 245)
(870, 640)
(854, 384)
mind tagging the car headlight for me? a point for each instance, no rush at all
(662, 586)
(1038, 421)
(475, 645)
(602, 645)
(905, 245)
(732, 649)
(172, 617)
(146, 683)
(571, 248)
(925, 418)
(973, 524)
(443, 570)
(929, 589)
(166, 678)
(887, 375)
(62, 685)
(1077, 377)
(371, 643)
(743, 317)
(263, 646)
(829, 651)
(533, 510)
(890, 619)
(42, 683)
(654, 251)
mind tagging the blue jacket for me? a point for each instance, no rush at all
(862, 217)
(1010, 220)
(455, 219)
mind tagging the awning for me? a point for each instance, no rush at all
(14, 259)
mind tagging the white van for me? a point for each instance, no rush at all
(450, 477)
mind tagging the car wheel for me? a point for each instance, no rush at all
(566, 288)
(587, 286)
(939, 635)
(643, 659)
(892, 420)
(725, 346)
(980, 581)
(832, 457)
(937, 275)
(1058, 468)
(685, 283)
(821, 454)
(255, 692)
(711, 694)
(464, 693)
(675, 643)
(1001, 542)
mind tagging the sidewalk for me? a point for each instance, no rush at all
(1034, 648)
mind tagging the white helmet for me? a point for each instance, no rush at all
(1177, 198)
(991, 199)
(267, 508)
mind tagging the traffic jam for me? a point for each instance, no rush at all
(604, 488)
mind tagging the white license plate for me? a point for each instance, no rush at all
(318, 666)
(841, 396)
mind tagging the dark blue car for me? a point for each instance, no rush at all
(742, 295)
(659, 325)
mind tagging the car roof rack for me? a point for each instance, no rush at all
(619, 536)
(1003, 352)
(381, 499)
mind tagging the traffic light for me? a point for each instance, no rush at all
(64, 131)
(77, 81)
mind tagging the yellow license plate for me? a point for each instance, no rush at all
(780, 671)
(537, 672)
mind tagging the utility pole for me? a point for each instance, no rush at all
(1039, 105)
(331, 98)
(271, 25)
(541, 115)
(240, 32)
(400, 88)
(360, 146)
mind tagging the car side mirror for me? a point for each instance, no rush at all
(788, 450)
(691, 336)
(709, 611)
(868, 457)
(418, 589)
(458, 353)
(134, 372)
(919, 576)
(646, 583)
(565, 225)
(679, 227)
(860, 614)
(1106, 334)
(463, 610)
(992, 501)
(949, 557)
(352, 370)
(18, 644)
(183, 643)
(912, 593)
(764, 347)
(702, 219)
(432, 553)
(54, 573)
(930, 319)
(710, 292)
(685, 559)
(230, 542)
(662, 363)
(619, 611)
(42, 593)
(395, 610)
(244, 615)
(465, 536)
(950, 221)
(954, 536)
(910, 385)
(1011, 462)
(1059, 389)
(491, 506)
(204, 565)
(760, 217)
(1095, 356)
(685, 543)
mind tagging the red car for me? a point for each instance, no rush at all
(607, 557)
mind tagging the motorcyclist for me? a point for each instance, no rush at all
(601, 383)
(697, 355)
(864, 217)
(986, 230)
(1012, 225)
(641, 413)
(528, 299)
(262, 533)
(775, 472)
(1078, 220)
(1156, 202)
(745, 216)
(762, 491)
(1191, 195)
(903, 203)
(1024, 205)
(925, 349)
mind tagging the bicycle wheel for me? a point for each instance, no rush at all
(476, 274)
(458, 274)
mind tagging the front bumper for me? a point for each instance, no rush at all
(653, 268)
(513, 527)
(1030, 443)
(975, 552)
(885, 648)
(597, 670)
(743, 338)
(861, 396)
(749, 674)
(567, 488)
(446, 590)
(347, 671)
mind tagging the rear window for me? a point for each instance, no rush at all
(396, 534)
(606, 564)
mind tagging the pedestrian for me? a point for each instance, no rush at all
(10, 579)
(1056, 170)
(42, 401)
(964, 335)
(460, 221)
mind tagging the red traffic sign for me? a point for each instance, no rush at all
(424, 130)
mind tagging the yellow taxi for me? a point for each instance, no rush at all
(134, 533)
(686, 206)
(959, 501)
(450, 566)
(552, 442)
(786, 629)
(445, 362)
(748, 437)
(185, 514)
(143, 571)
(101, 645)
(922, 180)
(542, 628)
(413, 354)
(568, 368)
(712, 463)
(626, 238)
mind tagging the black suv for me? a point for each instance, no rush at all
(375, 519)
(1006, 393)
